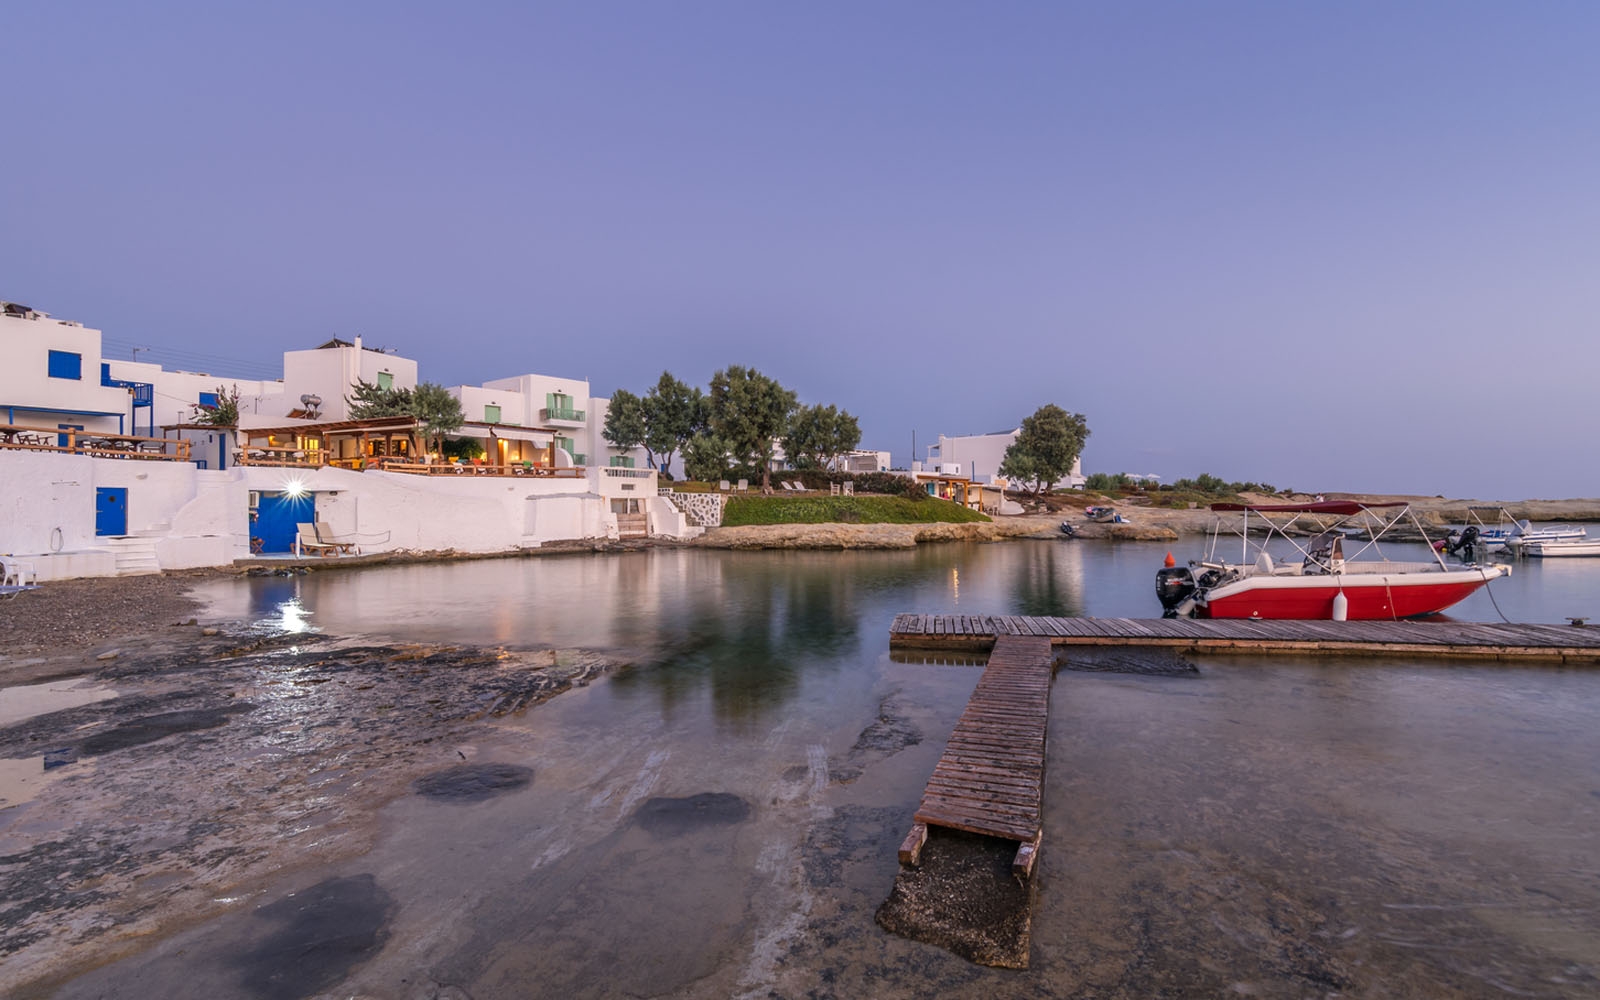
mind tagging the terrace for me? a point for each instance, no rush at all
(98, 444)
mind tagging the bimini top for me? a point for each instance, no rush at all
(1319, 507)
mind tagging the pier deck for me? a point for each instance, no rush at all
(1563, 643)
(990, 779)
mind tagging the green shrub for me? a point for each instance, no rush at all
(851, 510)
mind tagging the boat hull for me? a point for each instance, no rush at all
(1552, 549)
(1369, 596)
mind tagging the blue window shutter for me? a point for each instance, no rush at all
(65, 364)
(208, 400)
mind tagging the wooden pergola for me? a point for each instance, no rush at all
(349, 444)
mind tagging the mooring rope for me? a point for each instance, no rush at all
(1490, 591)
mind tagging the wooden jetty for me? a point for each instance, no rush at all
(1505, 641)
(990, 779)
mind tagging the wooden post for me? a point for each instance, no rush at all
(911, 847)
(1022, 867)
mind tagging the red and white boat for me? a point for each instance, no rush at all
(1311, 577)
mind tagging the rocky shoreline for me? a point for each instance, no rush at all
(289, 746)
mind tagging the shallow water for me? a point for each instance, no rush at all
(721, 819)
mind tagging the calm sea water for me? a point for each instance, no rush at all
(1267, 827)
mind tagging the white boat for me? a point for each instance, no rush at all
(1552, 548)
(1525, 534)
(1493, 529)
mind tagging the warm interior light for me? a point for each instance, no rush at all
(294, 489)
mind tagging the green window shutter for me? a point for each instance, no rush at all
(491, 414)
(549, 401)
(385, 381)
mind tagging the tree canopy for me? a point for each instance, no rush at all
(1049, 442)
(369, 400)
(625, 425)
(749, 411)
(673, 413)
(818, 435)
(437, 412)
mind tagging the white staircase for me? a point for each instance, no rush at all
(134, 556)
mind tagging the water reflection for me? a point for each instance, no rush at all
(1048, 580)
(750, 629)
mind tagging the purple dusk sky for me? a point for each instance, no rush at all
(1328, 246)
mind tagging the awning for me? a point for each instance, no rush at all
(1319, 507)
(504, 433)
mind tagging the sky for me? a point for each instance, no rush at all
(1327, 246)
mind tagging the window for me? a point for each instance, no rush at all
(65, 364)
(208, 401)
(386, 381)
(491, 413)
(621, 461)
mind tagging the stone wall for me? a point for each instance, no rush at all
(703, 509)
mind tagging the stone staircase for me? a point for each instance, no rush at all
(633, 525)
(134, 556)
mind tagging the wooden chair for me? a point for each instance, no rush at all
(325, 536)
(306, 542)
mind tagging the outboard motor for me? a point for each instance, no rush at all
(1174, 585)
(1464, 544)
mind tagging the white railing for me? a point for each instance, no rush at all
(623, 472)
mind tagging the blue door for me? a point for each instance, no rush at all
(278, 518)
(61, 439)
(111, 510)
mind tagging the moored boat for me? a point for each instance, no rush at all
(1552, 548)
(1315, 580)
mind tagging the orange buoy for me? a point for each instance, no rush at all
(1170, 561)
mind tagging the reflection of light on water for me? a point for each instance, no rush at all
(292, 616)
(955, 584)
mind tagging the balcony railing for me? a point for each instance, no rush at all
(565, 413)
(474, 469)
(100, 444)
(623, 472)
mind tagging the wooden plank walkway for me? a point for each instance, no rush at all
(990, 779)
(1564, 643)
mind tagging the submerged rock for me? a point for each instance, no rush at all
(473, 782)
(322, 933)
(673, 817)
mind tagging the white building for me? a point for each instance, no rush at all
(978, 456)
(865, 461)
(75, 513)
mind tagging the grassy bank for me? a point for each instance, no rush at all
(846, 510)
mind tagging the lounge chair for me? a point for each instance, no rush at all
(744, 485)
(325, 537)
(306, 542)
(723, 486)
